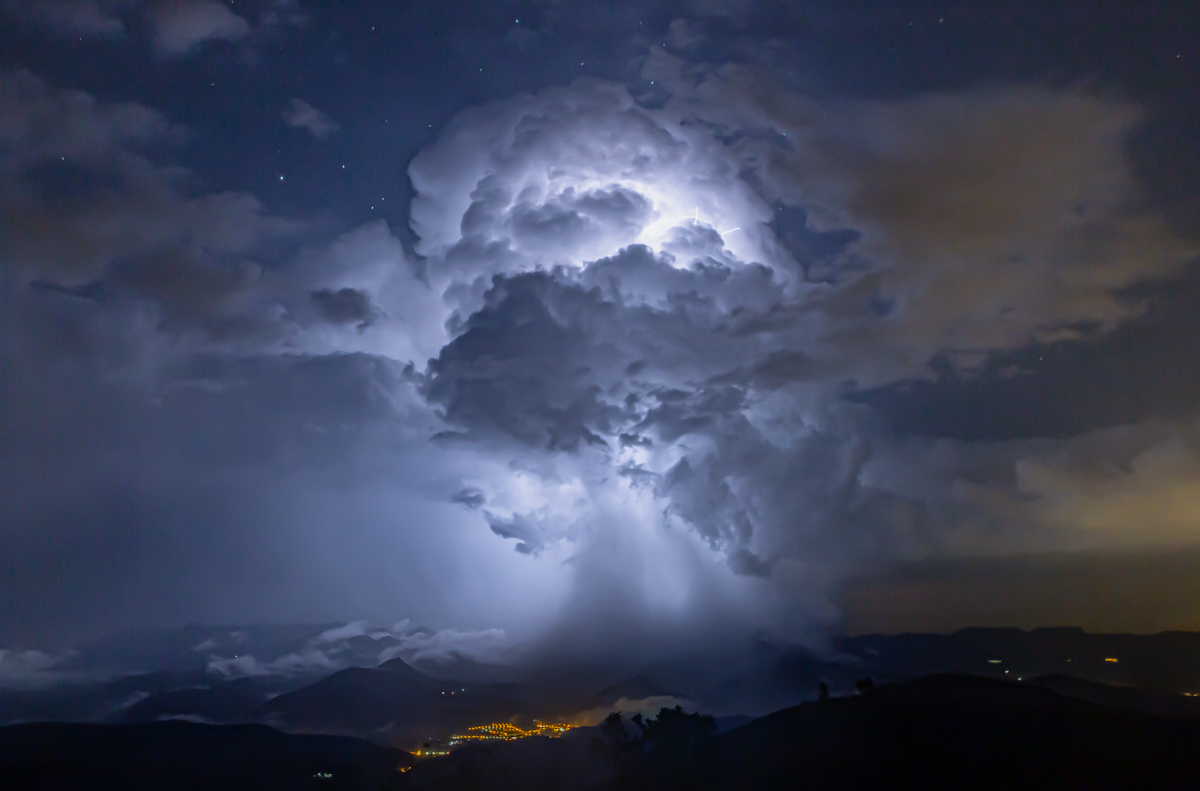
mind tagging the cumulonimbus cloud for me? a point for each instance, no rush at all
(596, 316)
(611, 356)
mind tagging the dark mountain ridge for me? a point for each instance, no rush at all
(942, 732)
(1164, 704)
(1166, 662)
(954, 731)
(222, 702)
(185, 756)
(393, 703)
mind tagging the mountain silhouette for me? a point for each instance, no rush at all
(394, 702)
(217, 702)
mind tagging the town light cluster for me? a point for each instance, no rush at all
(506, 731)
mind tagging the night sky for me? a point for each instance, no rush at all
(599, 326)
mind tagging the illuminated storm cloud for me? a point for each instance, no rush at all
(656, 375)
(604, 349)
(638, 412)
(570, 175)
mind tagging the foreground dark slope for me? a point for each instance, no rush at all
(1120, 697)
(958, 732)
(943, 732)
(183, 756)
